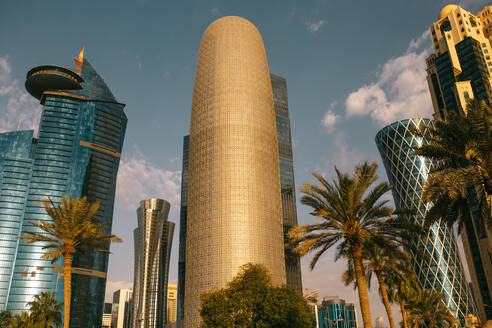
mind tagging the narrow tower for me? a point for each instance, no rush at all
(234, 204)
(153, 241)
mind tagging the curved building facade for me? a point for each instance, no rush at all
(77, 152)
(234, 209)
(407, 173)
(153, 240)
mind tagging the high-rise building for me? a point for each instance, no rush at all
(153, 240)
(122, 308)
(287, 184)
(442, 271)
(172, 294)
(106, 318)
(334, 312)
(77, 152)
(461, 69)
(234, 206)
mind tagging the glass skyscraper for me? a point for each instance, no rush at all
(287, 185)
(153, 240)
(77, 152)
(335, 313)
(460, 69)
(407, 174)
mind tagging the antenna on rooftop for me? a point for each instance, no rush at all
(19, 124)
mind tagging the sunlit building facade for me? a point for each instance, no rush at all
(460, 69)
(407, 173)
(334, 312)
(153, 240)
(234, 205)
(172, 294)
(122, 308)
(77, 152)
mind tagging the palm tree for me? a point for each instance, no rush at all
(381, 258)
(5, 317)
(350, 215)
(402, 287)
(74, 227)
(45, 310)
(22, 320)
(462, 147)
(428, 308)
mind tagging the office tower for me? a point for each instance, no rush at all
(122, 307)
(287, 184)
(461, 66)
(335, 312)
(234, 213)
(442, 271)
(153, 241)
(16, 149)
(182, 233)
(172, 293)
(461, 69)
(77, 152)
(106, 318)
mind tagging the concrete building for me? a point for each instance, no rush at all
(77, 152)
(122, 308)
(106, 318)
(461, 69)
(153, 240)
(234, 205)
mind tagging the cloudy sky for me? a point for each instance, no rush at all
(352, 66)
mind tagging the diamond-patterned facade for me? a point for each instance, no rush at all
(407, 173)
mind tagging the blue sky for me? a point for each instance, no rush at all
(352, 66)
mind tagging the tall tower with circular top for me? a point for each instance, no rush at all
(234, 200)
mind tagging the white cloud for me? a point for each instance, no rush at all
(112, 286)
(139, 179)
(329, 120)
(315, 26)
(17, 107)
(400, 91)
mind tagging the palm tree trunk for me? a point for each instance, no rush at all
(404, 315)
(362, 288)
(67, 289)
(384, 293)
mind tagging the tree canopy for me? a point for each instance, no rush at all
(250, 300)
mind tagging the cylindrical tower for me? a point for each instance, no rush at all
(407, 173)
(153, 240)
(234, 203)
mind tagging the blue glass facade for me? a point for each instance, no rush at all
(287, 184)
(407, 173)
(335, 313)
(78, 149)
(16, 149)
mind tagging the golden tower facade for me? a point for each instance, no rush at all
(234, 201)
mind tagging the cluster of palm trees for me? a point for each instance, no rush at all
(374, 239)
(43, 312)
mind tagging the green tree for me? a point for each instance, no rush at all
(462, 147)
(251, 301)
(5, 317)
(350, 215)
(74, 227)
(22, 320)
(402, 287)
(427, 308)
(45, 310)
